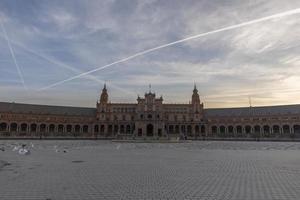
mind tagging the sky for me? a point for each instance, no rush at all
(44, 42)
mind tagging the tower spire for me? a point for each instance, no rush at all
(104, 95)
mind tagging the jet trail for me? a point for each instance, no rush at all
(278, 15)
(63, 65)
(13, 55)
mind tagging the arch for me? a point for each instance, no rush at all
(24, 127)
(297, 130)
(13, 127)
(202, 129)
(150, 130)
(257, 129)
(77, 128)
(266, 130)
(85, 128)
(183, 129)
(189, 129)
(51, 128)
(96, 128)
(33, 128)
(248, 129)
(239, 130)
(116, 129)
(122, 129)
(110, 129)
(214, 129)
(42, 127)
(3, 126)
(171, 128)
(69, 128)
(222, 131)
(102, 128)
(286, 129)
(197, 129)
(276, 129)
(128, 129)
(176, 128)
(230, 131)
(60, 128)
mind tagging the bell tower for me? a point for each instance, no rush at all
(102, 104)
(195, 96)
(196, 104)
(104, 96)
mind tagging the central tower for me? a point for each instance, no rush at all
(149, 115)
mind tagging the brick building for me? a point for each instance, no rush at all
(149, 117)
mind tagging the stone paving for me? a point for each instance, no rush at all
(105, 170)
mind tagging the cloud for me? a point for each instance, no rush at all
(260, 60)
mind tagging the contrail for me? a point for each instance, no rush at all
(13, 55)
(65, 66)
(278, 15)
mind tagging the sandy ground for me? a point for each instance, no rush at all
(105, 170)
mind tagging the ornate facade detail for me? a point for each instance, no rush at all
(148, 117)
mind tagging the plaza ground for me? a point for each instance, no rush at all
(209, 170)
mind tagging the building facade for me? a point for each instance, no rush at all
(148, 118)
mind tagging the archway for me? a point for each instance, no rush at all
(3, 126)
(150, 130)
(297, 130)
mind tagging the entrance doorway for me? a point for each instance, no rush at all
(150, 130)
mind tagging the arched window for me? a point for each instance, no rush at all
(189, 129)
(24, 127)
(202, 129)
(257, 129)
(276, 129)
(286, 129)
(102, 128)
(222, 130)
(171, 128)
(77, 128)
(60, 128)
(96, 128)
(239, 129)
(69, 128)
(214, 129)
(85, 128)
(3, 126)
(197, 129)
(176, 128)
(122, 129)
(33, 127)
(248, 129)
(51, 128)
(13, 127)
(230, 129)
(128, 129)
(297, 129)
(42, 128)
(183, 128)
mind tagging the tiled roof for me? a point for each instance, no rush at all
(45, 109)
(246, 111)
(82, 111)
